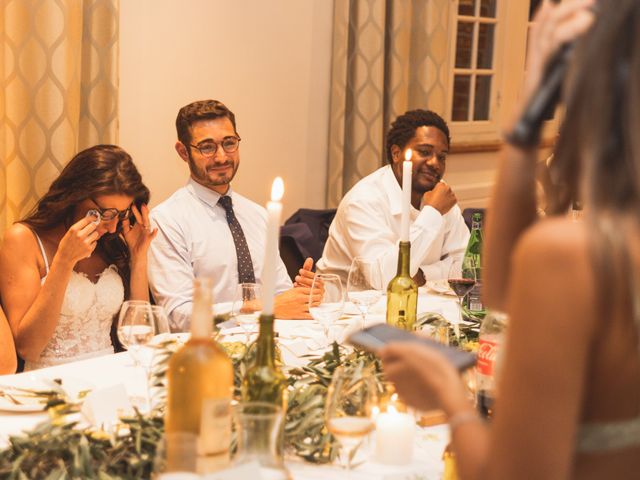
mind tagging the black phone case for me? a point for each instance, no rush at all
(375, 337)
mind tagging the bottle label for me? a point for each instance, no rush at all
(487, 351)
(474, 298)
(215, 435)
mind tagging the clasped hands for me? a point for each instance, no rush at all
(294, 303)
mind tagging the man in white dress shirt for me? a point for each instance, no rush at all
(367, 222)
(205, 229)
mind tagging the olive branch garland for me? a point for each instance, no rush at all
(58, 449)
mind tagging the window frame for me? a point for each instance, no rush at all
(512, 23)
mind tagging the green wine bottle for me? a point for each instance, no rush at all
(402, 293)
(264, 380)
(474, 252)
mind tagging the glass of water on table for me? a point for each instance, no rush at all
(327, 309)
(364, 285)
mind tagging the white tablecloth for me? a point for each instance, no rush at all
(296, 337)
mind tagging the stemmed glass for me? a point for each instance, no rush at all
(330, 306)
(364, 285)
(247, 305)
(462, 278)
(351, 399)
(137, 326)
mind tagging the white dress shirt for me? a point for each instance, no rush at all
(194, 240)
(367, 224)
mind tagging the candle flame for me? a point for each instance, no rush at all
(394, 397)
(374, 412)
(277, 189)
(408, 154)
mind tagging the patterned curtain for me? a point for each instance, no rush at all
(58, 91)
(389, 56)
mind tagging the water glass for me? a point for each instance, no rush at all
(365, 284)
(247, 305)
(329, 308)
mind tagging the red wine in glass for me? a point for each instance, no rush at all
(461, 286)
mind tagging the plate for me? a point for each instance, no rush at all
(441, 287)
(25, 387)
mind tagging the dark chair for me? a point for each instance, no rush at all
(304, 235)
(467, 214)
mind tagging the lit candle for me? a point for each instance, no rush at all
(274, 211)
(406, 196)
(394, 437)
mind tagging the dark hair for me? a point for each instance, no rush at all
(200, 110)
(99, 170)
(404, 128)
(597, 158)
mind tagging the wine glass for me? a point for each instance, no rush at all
(462, 278)
(351, 399)
(364, 285)
(247, 305)
(135, 326)
(331, 304)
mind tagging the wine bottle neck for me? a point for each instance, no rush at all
(265, 345)
(404, 259)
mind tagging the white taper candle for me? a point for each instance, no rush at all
(274, 211)
(406, 196)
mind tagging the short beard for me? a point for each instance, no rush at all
(200, 175)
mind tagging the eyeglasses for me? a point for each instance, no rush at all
(108, 214)
(209, 148)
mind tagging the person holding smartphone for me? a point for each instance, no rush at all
(568, 402)
(68, 266)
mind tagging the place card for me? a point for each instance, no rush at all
(104, 406)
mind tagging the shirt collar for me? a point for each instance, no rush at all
(208, 196)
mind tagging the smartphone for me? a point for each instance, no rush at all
(375, 337)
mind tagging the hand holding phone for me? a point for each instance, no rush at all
(375, 337)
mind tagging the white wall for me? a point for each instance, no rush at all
(268, 61)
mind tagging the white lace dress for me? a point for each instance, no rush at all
(83, 330)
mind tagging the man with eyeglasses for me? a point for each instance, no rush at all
(367, 223)
(206, 229)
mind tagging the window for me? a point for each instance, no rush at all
(487, 58)
(474, 71)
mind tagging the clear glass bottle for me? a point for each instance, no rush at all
(490, 347)
(474, 252)
(199, 391)
(402, 292)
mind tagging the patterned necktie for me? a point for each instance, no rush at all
(245, 265)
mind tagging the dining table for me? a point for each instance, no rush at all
(297, 339)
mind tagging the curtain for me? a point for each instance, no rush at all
(388, 56)
(58, 91)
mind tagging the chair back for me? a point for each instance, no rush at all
(304, 235)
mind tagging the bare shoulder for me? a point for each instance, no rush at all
(555, 240)
(19, 236)
(19, 242)
(552, 270)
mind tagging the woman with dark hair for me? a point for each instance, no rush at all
(568, 397)
(68, 266)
